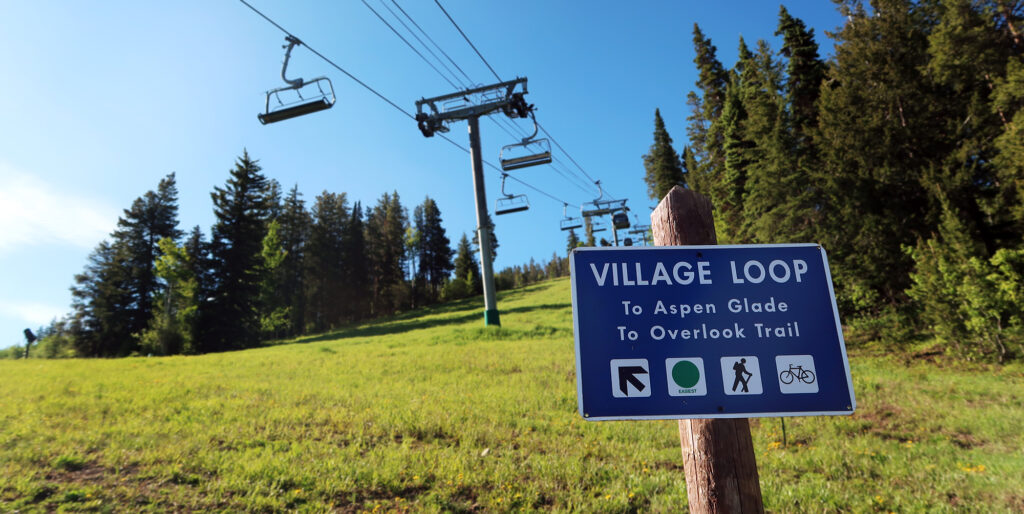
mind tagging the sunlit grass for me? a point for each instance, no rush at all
(432, 411)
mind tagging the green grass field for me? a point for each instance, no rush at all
(434, 412)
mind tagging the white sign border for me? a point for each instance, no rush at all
(835, 313)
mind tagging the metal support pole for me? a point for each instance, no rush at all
(616, 232)
(483, 235)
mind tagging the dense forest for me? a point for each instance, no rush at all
(272, 268)
(902, 154)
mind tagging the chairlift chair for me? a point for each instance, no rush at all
(526, 153)
(319, 94)
(569, 222)
(510, 203)
(597, 226)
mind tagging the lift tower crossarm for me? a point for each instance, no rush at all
(501, 96)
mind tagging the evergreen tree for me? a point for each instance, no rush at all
(435, 253)
(572, 242)
(295, 222)
(876, 135)
(357, 292)
(706, 136)
(494, 238)
(385, 243)
(326, 262)
(466, 267)
(151, 218)
(662, 166)
(113, 298)
(100, 298)
(231, 320)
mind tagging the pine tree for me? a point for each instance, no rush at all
(231, 320)
(100, 298)
(706, 136)
(494, 238)
(114, 296)
(876, 138)
(385, 243)
(663, 169)
(295, 223)
(467, 269)
(572, 242)
(435, 253)
(354, 254)
(326, 271)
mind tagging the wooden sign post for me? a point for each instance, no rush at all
(718, 454)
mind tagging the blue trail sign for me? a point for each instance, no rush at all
(707, 332)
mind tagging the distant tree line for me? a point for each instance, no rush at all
(903, 155)
(272, 268)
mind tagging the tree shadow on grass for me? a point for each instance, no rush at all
(419, 320)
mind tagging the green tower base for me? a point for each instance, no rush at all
(491, 318)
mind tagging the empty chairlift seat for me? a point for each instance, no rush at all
(289, 102)
(510, 204)
(531, 152)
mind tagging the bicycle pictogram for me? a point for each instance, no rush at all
(796, 372)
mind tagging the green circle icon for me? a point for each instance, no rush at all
(686, 374)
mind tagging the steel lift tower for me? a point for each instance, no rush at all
(434, 114)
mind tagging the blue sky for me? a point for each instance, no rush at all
(102, 99)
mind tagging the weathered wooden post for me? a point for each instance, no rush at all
(718, 454)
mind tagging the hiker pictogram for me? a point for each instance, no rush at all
(741, 375)
(741, 369)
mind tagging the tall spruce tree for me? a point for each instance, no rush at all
(354, 254)
(876, 138)
(326, 265)
(435, 252)
(294, 221)
(663, 169)
(466, 267)
(100, 299)
(114, 296)
(572, 242)
(385, 243)
(241, 207)
(706, 136)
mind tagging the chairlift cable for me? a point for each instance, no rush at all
(417, 25)
(413, 48)
(464, 36)
(393, 104)
(424, 45)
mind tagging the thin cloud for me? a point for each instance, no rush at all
(35, 213)
(32, 313)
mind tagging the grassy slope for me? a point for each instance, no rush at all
(434, 412)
